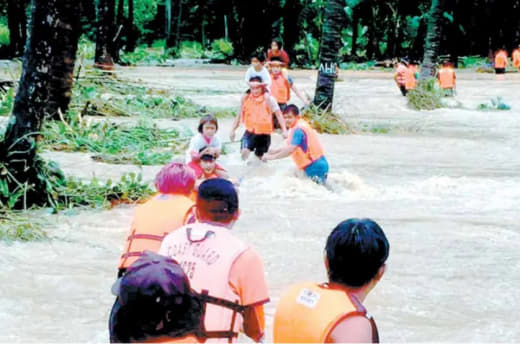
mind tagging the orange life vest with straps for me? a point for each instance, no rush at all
(501, 59)
(280, 88)
(206, 253)
(153, 220)
(314, 149)
(410, 81)
(447, 77)
(516, 58)
(308, 312)
(257, 115)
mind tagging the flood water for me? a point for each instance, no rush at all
(444, 185)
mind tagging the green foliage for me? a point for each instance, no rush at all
(426, 96)
(20, 226)
(143, 144)
(86, 49)
(221, 49)
(325, 121)
(4, 35)
(494, 104)
(143, 55)
(307, 51)
(357, 66)
(6, 101)
(144, 14)
(474, 62)
(191, 50)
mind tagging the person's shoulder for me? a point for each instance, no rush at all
(352, 329)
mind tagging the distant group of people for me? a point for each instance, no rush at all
(184, 277)
(501, 60)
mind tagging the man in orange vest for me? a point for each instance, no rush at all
(155, 304)
(303, 145)
(256, 113)
(400, 75)
(356, 252)
(226, 271)
(446, 77)
(516, 57)
(169, 209)
(500, 61)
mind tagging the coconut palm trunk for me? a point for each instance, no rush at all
(17, 23)
(433, 39)
(44, 88)
(334, 20)
(105, 34)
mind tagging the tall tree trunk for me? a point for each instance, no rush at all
(44, 88)
(132, 32)
(334, 20)
(291, 12)
(433, 39)
(178, 26)
(119, 30)
(355, 33)
(168, 23)
(105, 35)
(17, 24)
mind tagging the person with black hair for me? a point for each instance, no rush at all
(303, 146)
(155, 304)
(282, 84)
(256, 113)
(278, 52)
(257, 69)
(355, 259)
(220, 266)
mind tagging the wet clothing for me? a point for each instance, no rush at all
(308, 155)
(219, 265)
(263, 73)
(309, 312)
(200, 141)
(282, 54)
(501, 60)
(411, 78)
(446, 77)
(516, 58)
(152, 221)
(281, 88)
(259, 144)
(257, 113)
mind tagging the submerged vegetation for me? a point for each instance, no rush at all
(325, 121)
(426, 96)
(494, 104)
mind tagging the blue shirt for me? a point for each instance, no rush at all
(299, 139)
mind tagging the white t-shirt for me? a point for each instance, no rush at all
(198, 142)
(263, 73)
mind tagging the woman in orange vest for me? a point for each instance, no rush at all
(256, 113)
(303, 146)
(500, 61)
(446, 77)
(155, 304)
(168, 210)
(356, 252)
(516, 57)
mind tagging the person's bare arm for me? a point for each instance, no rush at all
(353, 329)
(279, 153)
(300, 95)
(281, 120)
(254, 322)
(236, 123)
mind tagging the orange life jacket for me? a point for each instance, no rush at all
(401, 74)
(501, 59)
(257, 115)
(411, 81)
(447, 77)
(308, 312)
(207, 253)
(153, 220)
(280, 88)
(314, 149)
(516, 58)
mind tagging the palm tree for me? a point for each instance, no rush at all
(433, 39)
(43, 91)
(105, 34)
(334, 20)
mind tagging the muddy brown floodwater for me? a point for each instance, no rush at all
(443, 184)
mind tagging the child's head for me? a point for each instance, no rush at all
(256, 85)
(257, 58)
(291, 114)
(208, 163)
(208, 125)
(175, 178)
(276, 64)
(276, 45)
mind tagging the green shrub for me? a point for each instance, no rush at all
(191, 50)
(86, 49)
(325, 121)
(6, 101)
(4, 35)
(426, 96)
(221, 49)
(20, 226)
(473, 62)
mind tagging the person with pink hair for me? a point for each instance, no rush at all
(168, 210)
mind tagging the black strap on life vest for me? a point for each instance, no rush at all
(234, 306)
(133, 236)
